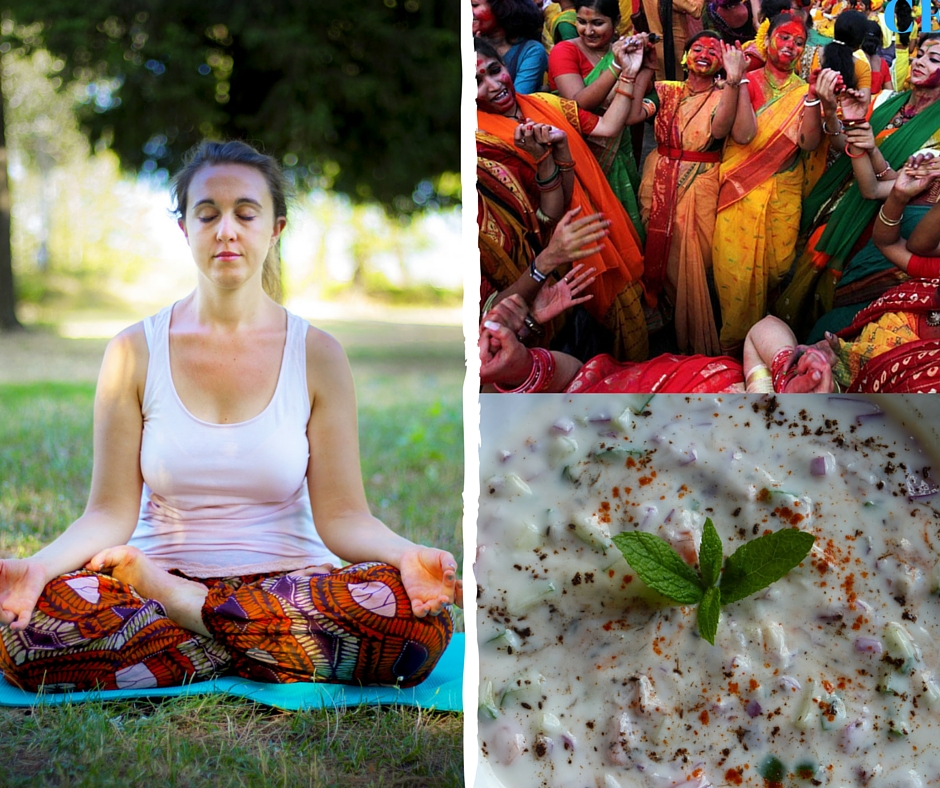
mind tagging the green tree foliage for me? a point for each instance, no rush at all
(362, 97)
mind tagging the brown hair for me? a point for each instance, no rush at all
(209, 153)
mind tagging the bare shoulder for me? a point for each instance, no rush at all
(328, 369)
(124, 367)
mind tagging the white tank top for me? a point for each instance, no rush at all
(227, 499)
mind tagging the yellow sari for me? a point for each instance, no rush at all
(759, 201)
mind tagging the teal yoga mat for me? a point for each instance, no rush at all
(442, 691)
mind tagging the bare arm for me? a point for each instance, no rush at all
(914, 178)
(111, 515)
(337, 495)
(861, 146)
(590, 97)
(727, 119)
(627, 92)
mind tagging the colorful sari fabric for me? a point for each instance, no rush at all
(759, 201)
(351, 626)
(679, 195)
(666, 374)
(836, 218)
(561, 27)
(615, 155)
(508, 212)
(913, 368)
(901, 317)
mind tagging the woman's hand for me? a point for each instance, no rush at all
(631, 53)
(430, 579)
(21, 582)
(812, 373)
(916, 175)
(854, 105)
(827, 85)
(573, 239)
(733, 61)
(503, 358)
(509, 312)
(554, 299)
(860, 136)
(536, 138)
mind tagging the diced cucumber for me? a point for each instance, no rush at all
(931, 690)
(488, 706)
(617, 453)
(505, 639)
(561, 447)
(528, 537)
(900, 644)
(806, 718)
(535, 592)
(524, 688)
(834, 714)
(592, 533)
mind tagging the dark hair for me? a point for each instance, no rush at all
(209, 153)
(848, 34)
(518, 18)
(873, 39)
(770, 8)
(482, 46)
(702, 34)
(608, 8)
(783, 18)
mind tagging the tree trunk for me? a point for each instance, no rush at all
(8, 319)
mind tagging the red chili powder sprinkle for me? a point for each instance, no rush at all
(615, 492)
(734, 776)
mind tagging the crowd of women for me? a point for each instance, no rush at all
(784, 195)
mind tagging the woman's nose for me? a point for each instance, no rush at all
(226, 230)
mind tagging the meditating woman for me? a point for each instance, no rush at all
(760, 185)
(514, 28)
(831, 271)
(679, 191)
(586, 70)
(529, 151)
(225, 492)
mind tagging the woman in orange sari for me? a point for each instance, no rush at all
(760, 185)
(531, 145)
(679, 190)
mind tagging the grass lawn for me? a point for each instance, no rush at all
(412, 448)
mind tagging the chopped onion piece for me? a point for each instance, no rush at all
(869, 646)
(753, 709)
(563, 425)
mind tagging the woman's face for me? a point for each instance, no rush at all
(495, 92)
(704, 57)
(925, 67)
(595, 30)
(484, 20)
(785, 45)
(230, 223)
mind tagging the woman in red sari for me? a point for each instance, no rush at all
(530, 148)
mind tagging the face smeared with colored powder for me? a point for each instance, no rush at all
(495, 93)
(704, 56)
(925, 67)
(786, 45)
(484, 20)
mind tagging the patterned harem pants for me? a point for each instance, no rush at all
(353, 626)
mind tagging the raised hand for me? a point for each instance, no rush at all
(574, 239)
(854, 105)
(734, 61)
(554, 299)
(631, 54)
(860, 135)
(430, 579)
(21, 583)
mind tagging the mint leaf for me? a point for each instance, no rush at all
(660, 567)
(709, 610)
(762, 561)
(710, 555)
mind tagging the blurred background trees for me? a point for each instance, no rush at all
(360, 98)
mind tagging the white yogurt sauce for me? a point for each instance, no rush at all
(831, 676)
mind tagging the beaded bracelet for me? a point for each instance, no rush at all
(889, 222)
(885, 171)
(540, 376)
(853, 155)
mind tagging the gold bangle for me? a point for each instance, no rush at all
(755, 381)
(889, 222)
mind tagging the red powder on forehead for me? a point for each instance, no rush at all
(793, 28)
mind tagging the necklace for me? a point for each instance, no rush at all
(903, 116)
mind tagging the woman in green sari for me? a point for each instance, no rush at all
(585, 69)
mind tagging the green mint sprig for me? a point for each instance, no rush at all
(753, 566)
